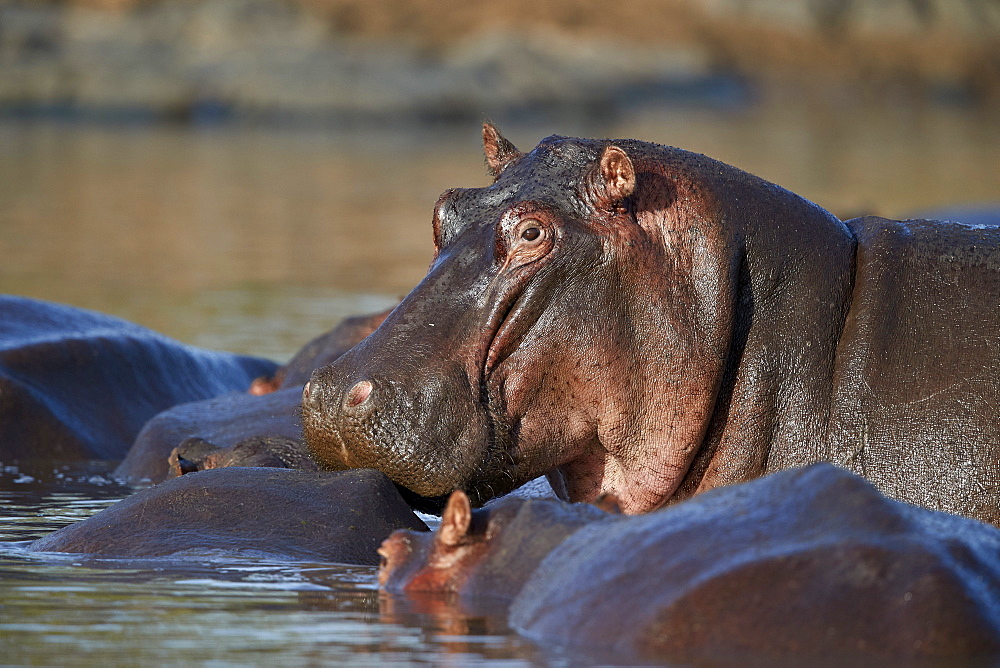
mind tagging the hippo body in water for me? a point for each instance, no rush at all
(806, 564)
(224, 421)
(255, 512)
(197, 454)
(270, 410)
(75, 384)
(639, 320)
(322, 350)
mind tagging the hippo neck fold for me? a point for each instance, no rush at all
(790, 266)
(740, 339)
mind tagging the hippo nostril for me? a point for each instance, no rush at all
(358, 394)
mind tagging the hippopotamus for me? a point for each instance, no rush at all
(807, 563)
(638, 320)
(255, 512)
(75, 384)
(197, 454)
(224, 421)
(269, 409)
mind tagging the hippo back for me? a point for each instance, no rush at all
(810, 562)
(224, 421)
(917, 384)
(255, 512)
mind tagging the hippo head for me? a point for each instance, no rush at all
(469, 553)
(574, 321)
(439, 562)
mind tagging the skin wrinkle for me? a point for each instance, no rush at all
(659, 476)
(535, 257)
(630, 432)
(685, 429)
(494, 444)
(640, 440)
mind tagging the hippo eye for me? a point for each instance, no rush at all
(530, 239)
(530, 230)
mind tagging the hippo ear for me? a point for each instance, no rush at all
(499, 151)
(614, 179)
(456, 519)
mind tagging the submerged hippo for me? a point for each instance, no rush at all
(224, 421)
(319, 352)
(197, 454)
(639, 320)
(79, 384)
(269, 410)
(807, 563)
(270, 512)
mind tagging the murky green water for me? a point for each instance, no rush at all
(258, 240)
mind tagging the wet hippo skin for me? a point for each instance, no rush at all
(197, 454)
(269, 512)
(811, 563)
(79, 384)
(224, 421)
(635, 319)
(270, 409)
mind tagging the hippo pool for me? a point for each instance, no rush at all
(255, 241)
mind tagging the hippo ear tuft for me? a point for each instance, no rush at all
(456, 519)
(617, 176)
(499, 151)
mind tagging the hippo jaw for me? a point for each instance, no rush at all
(429, 440)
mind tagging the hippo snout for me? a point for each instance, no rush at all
(352, 417)
(337, 416)
(425, 431)
(352, 397)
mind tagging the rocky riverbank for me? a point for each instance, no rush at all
(179, 59)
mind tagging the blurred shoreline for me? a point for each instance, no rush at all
(335, 62)
(235, 173)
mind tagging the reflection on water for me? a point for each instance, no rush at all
(258, 240)
(155, 612)
(233, 613)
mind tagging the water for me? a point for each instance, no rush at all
(256, 240)
(69, 608)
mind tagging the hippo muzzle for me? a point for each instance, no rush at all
(430, 434)
(412, 399)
